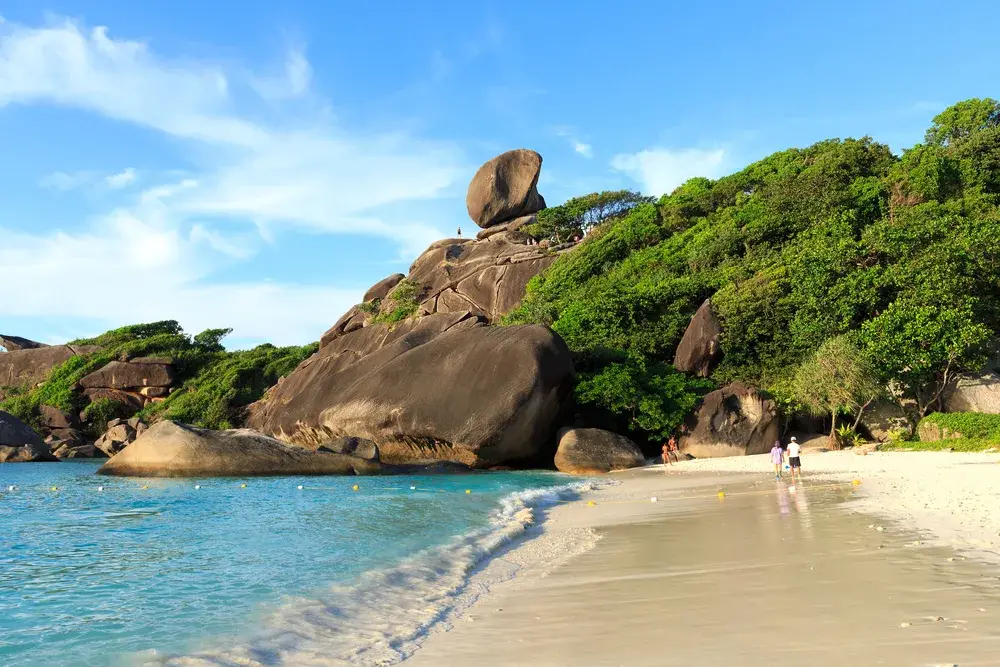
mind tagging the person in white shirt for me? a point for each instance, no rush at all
(794, 451)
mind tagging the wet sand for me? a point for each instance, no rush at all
(762, 576)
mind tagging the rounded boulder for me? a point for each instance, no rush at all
(589, 451)
(505, 188)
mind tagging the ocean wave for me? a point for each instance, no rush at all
(383, 617)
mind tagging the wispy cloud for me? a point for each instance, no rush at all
(660, 170)
(122, 179)
(296, 171)
(584, 149)
(62, 181)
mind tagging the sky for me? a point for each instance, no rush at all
(258, 165)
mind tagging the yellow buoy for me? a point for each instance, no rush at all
(145, 487)
(243, 486)
(856, 482)
(591, 503)
(355, 487)
(55, 488)
(722, 494)
(468, 490)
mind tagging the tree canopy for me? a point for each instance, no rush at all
(842, 237)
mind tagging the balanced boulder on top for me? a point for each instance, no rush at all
(505, 188)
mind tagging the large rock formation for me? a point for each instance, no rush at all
(505, 188)
(442, 387)
(974, 393)
(732, 421)
(29, 367)
(589, 451)
(15, 343)
(19, 442)
(699, 350)
(169, 449)
(485, 277)
(133, 383)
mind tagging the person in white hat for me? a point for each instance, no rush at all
(794, 458)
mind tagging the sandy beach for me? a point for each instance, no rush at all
(900, 569)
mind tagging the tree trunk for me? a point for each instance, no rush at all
(834, 443)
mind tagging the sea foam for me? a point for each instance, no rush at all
(384, 615)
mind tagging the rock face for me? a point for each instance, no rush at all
(505, 188)
(440, 388)
(19, 442)
(16, 343)
(133, 374)
(380, 289)
(169, 449)
(589, 451)
(699, 350)
(487, 278)
(733, 421)
(882, 418)
(974, 393)
(31, 366)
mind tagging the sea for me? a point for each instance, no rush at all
(105, 571)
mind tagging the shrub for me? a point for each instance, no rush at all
(969, 424)
(402, 302)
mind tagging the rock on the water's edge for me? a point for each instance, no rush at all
(588, 451)
(19, 443)
(505, 188)
(699, 350)
(733, 421)
(440, 388)
(169, 449)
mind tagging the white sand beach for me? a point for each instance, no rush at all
(901, 569)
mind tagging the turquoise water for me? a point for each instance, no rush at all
(133, 575)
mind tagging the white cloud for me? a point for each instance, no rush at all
(295, 171)
(122, 179)
(660, 170)
(62, 181)
(586, 150)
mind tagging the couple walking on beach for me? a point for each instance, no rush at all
(793, 452)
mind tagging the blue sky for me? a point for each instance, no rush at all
(239, 164)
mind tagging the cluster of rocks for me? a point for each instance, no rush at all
(485, 276)
(20, 443)
(132, 382)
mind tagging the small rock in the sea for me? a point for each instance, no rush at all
(904, 625)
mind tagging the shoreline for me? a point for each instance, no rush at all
(935, 500)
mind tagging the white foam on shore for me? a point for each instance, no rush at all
(385, 615)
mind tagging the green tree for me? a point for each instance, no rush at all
(581, 214)
(962, 120)
(836, 379)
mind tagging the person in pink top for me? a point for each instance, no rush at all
(777, 458)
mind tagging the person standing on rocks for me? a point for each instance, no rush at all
(459, 232)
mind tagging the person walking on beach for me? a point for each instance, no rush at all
(794, 459)
(777, 458)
